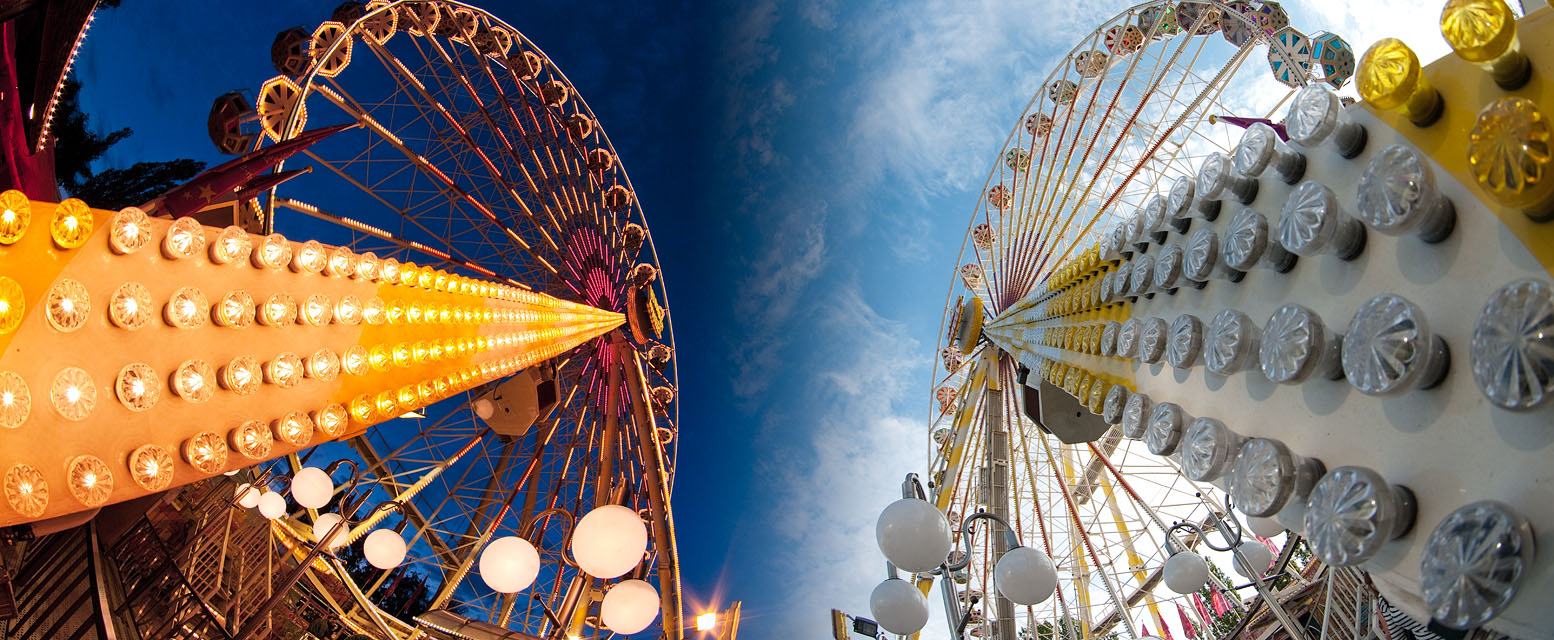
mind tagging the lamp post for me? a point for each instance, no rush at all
(1231, 531)
(915, 535)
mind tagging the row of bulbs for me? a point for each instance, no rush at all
(1349, 513)
(130, 230)
(91, 480)
(607, 542)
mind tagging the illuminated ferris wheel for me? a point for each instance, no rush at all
(1120, 126)
(469, 151)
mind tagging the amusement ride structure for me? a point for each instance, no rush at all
(1210, 313)
(404, 363)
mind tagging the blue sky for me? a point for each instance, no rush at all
(807, 169)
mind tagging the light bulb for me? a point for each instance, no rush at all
(1025, 575)
(331, 531)
(1352, 512)
(235, 309)
(279, 310)
(284, 371)
(1513, 339)
(1168, 268)
(898, 607)
(1116, 400)
(388, 271)
(1261, 148)
(1390, 348)
(509, 564)
(373, 311)
(355, 360)
(384, 549)
(1247, 244)
(151, 467)
(295, 428)
(341, 263)
(1509, 159)
(1208, 448)
(315, 310)
(1231, 342)
(1166, 424)
(348, 311)
(1185, 572)
(252, 439)
(271, 505)
(1257, 556)
(241, 375)
(129, 231)
(1184, 341)
(609, 541)
(130, 306)
(72, 224)
(26, 490)
(138, 387)
(1267, 476)
(273, 252)
(231, 245)
(194, 380)
(1314, 117)
(89, 480)
(1474, 563)
(1296, 345)
(1217, 178)
(913, 534)
(309, 258)
(1152, 339)
(248, 495)
(186, 309)
(67, 305)
(185, 238)
(331, 419)
(1397, 196)
(205, 451)
(312, 488)
(1391, 78)
(1136, 414)
(366, 267)
(15, 400)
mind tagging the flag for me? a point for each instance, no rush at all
(1187, 627)
(220, 182)
(1165, 631)
(1218, 601)
(1202, 609)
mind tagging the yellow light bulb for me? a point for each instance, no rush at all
(18, 215)
(72, 224)
(1391, 78)
(362, 407)
(1484, 32)
(1509, 156)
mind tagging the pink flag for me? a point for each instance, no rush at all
(1202, 609)
(1217, 600)
(1186, 622)
(1165, 631)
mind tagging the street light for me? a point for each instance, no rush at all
(1251, 560)
(707, 621)
(915, 535)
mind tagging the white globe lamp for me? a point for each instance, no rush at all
(629, 607)
(899, 607)
(322, 526)
(609, 541)
(247, 496)
(312, 488)
(484, 408)
(509, 564)
(1025, 576)
(1186, 572)
(1256, 555)
(1265, 527)
(272, 505)
(913, 534)
(384, 549)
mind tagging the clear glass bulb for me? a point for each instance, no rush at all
(285, 371)
(1296, 345)
(235, 309)
(1217, 178)
(241, 375)
(1312, 224)
(1164, 431)
(1231, 342)
(1397, 196)
(129, 231)
(273, 252)
(1208, 448)
(1152, 339)
(15, 400)
(354, 360)
(367, 266)
(323, 365)
(1352, 512)
(1267, 476)
(187, 309)
(130, 306)
(1314, 117)
(316, 310)
(1184, 342)
(194, 380)
(138, 387)
(1116, 401)
(1513, 346)
(309, 258)
(1127, 338)
(341, 263)
(185, 239)
(1246, 244)
(1389, 348)
(67, 305)
(1109, 338)
(279, 310)
(1473, 563)
(1168, 268)
(1136, 414)
(373, 311)
(232, 244)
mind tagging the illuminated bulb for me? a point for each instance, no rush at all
(279, 310)
(15, 400)
(362, 407)
(185, 239)
(316, 310)
(271, 505)
(1267, 476)
(151, 467)
(331, 420)
(631, 605)
(509, 564)
(381, 357)
(384, 549)
(285, 371)
(367, 267)
(206, 452)
(89, 479)
(396, 312)
(15, 216)
(1391, 78)
(402, 355)
(129, 231)
(328, 523)
(247, 495)
(194, 381)
(441, 282)
(1352, 512)
(1484, 32)
(138, 387)
(73, 394)
(295, 428)
(414, 313)
(235, 309)
(373, 312)
(388, 271)
(385, 403)
(187, 309)
(72, 224)
(240, 376)
(67, 305)
(408, 397)
(355, 360)
(232, 244)
(426, 277)
(273, 252)
(1509, 156)
(309, 258)
(408, 274)
(420, 353)
(341, 263)
(26, 490)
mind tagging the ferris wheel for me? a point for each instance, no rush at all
(1121, 125)
(471, 152)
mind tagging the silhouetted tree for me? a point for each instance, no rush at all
(76, 146)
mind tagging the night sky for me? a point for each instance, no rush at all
(807, 170)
